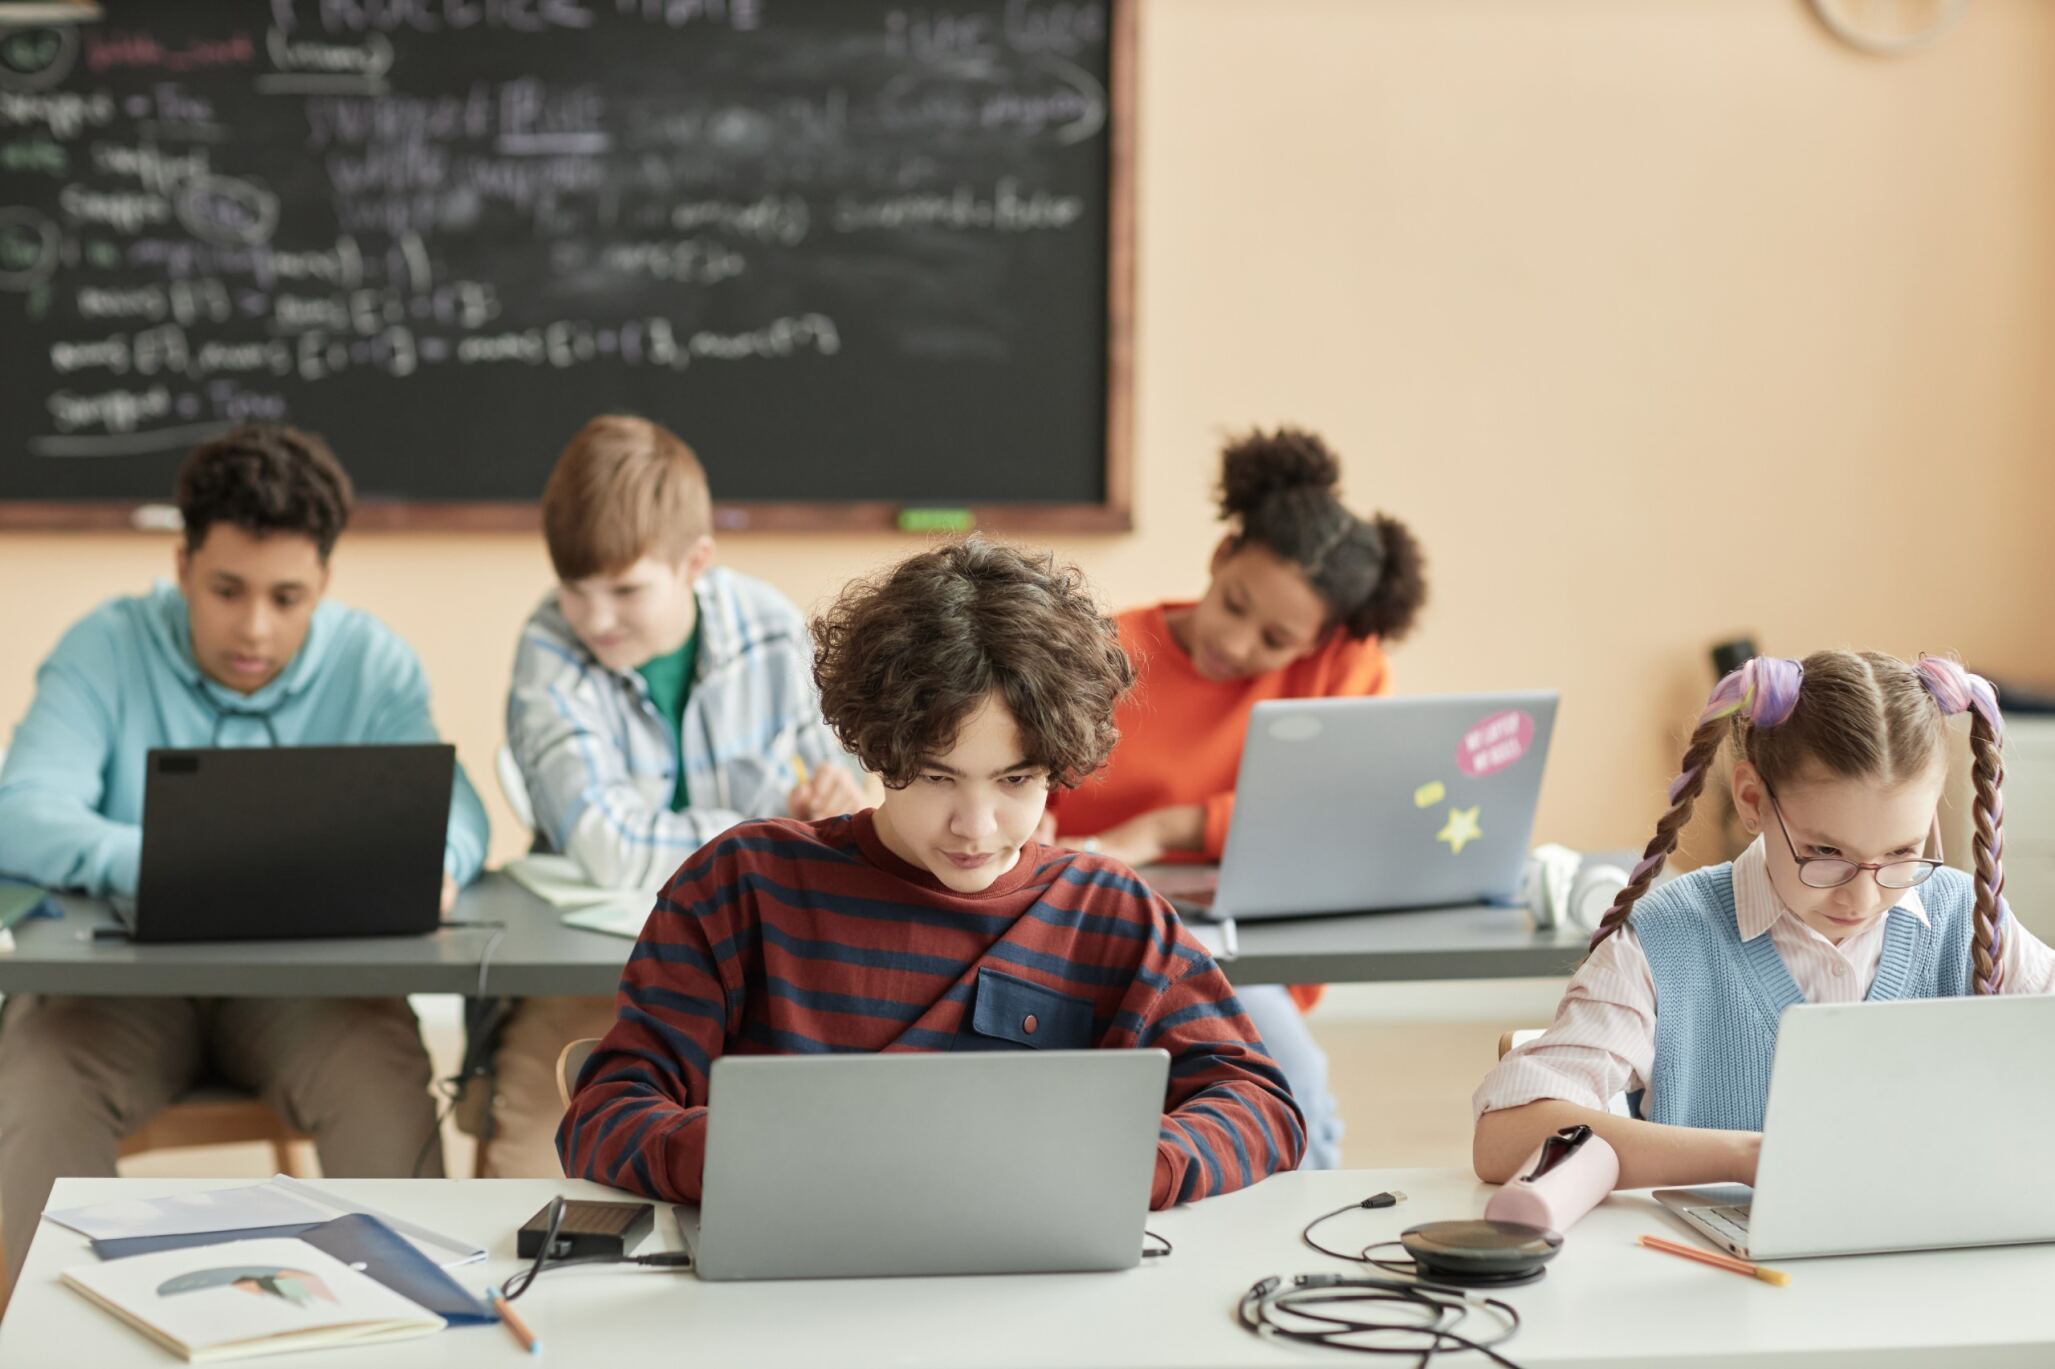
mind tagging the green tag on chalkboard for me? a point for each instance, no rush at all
(936, 520)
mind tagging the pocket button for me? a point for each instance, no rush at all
(1029, 1023)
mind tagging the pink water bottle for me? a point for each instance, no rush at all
(1565, 1178)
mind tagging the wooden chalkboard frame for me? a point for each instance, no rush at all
(1112, 515)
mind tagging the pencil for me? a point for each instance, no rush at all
(799, 767)
(1727, 1262)
(498, 1302)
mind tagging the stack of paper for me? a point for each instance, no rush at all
(558, 881)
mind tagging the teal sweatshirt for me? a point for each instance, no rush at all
(123, 680)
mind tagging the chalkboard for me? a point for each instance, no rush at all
(862, 256)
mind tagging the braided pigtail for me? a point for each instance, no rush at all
(1957, 690)
(1762, 693)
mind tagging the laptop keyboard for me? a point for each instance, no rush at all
(1731, 1222)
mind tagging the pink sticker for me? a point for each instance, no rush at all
(1495, 743)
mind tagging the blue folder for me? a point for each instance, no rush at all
(362, 1241)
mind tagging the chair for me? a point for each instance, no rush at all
(569, 1061)
(513, 787)
(1510, 1041)
(1513, 1040)
(215, 1115)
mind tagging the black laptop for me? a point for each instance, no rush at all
(249, 843)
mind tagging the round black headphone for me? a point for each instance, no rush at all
(1479, 1254)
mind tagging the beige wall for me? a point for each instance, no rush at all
(1659, 321)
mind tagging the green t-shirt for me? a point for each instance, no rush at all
(669, 678)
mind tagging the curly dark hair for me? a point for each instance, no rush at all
(1279, 489)
(265, 478)
(903, 658)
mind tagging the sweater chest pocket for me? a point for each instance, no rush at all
(1014, 1014)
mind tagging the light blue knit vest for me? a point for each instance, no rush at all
(1719, 1000)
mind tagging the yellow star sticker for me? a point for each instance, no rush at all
(1460, 830)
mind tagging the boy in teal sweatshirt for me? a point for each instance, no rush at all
(241, 652)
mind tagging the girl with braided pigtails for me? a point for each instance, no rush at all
(1839, 765)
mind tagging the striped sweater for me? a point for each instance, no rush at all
(784, 937)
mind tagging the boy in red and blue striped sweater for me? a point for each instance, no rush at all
(972, 679)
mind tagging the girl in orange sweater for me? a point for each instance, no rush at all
(1302, 596)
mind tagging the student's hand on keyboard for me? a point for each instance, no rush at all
(1147, 839)
(1748, 1153)
(830, 792)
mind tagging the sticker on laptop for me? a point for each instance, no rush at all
(1461, 829)
(1295, 728)
(1429, 794)
(1495, 743)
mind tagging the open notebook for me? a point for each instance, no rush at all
(247, 1298)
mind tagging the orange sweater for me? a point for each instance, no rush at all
(1181, 734)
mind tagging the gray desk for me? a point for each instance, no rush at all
(539, 955)
(536, 955)
(1475, 942)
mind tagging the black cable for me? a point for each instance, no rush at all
(470, 1066)
(1314, 1309)
(1148, 1254)
(1375, 1200)
(545, 1261)
(1297, 1311)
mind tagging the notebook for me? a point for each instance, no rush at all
(249, 1298)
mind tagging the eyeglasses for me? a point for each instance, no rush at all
(1831, 872)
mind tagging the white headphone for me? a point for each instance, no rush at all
(1559, 884)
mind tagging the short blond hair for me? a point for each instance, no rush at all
(625, 488)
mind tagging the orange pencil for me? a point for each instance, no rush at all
(497, 1302)
(1727, 1262)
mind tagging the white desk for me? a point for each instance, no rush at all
(1604, 1302)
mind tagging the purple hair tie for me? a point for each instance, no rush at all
(1764, 691)
(1773, 692)
(1957, 690)
(1682, 782)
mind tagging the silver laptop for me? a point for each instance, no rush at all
(1353, 805)
(986, 1162)
(1915, 1125)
